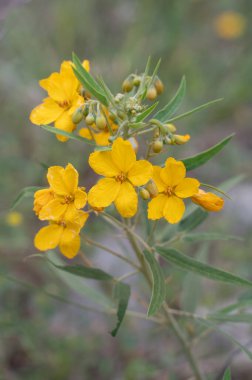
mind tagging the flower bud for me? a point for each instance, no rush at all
(90, 119)
(159, 86)
(136, 80)
(156, 133)
(157, 146)
(144, 194)
(167, 140)
(209, 201)
(86, 110)
(77, 116)
(171, 128)
(151, 93)
(101, 122)
(119, 97)
(127, 85)
(180, 139)
(152, 188)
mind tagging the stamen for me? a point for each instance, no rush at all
(64, 104)
(68, 199)
(168, 191)
(121, 177)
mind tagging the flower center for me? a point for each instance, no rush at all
(61, 223)
(64, 104)
(168, 191)
(121, 177)
(68, 199)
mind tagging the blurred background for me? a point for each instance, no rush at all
(209, 42)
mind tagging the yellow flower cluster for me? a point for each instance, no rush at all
(61, 205)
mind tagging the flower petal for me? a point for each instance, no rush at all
(55, 177)
(126, 201)
(80, 198)
(140, 173)
(46, 112)
(71, 178)
(54, 85)
(187, 187)
(48, 237)
(173, 172)
(41, 198)
(174, 209)
(157, 178)
(64, 122)
(209, 201)
(71, 248)
(103, 164)
(53, 210)
(123, 155)
(156, 207)
(104, 192)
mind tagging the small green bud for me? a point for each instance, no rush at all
(152, 188)
(90, 119)
(77, 116)
(144, 194)
(171, 128)
(156, 133)
(101, 122)
(127, 85)
(167, 140)
(157, 146)
(137, 80)
(151, 93)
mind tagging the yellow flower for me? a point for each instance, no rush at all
(230, 25)
(14, 218)
(181, 139)
(63, 198)
(209, 201)
(122, 172)
(63, 99)
(62, 233)
(173, 187)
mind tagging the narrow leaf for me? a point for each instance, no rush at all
(200, 158)
(189, 264)
(191, 221)
(227, 375)
(205, 236)
(146, 113)
(174, 104)
(122, 294)
(82, 271)
(72, 136)
(27, 192)
(158, 283)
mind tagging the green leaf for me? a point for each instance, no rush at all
(122, 294)
(191, 221)
(189, 264)
(106, 90)
(200, 158)
(205, 236)
(72, 136)
(146, 113)
(88, 81)
(141, 89)
(82, 271)
(158, 283)
(206, 105)
(234, 318)
(27, 192)
(164, 114)
(227, 375)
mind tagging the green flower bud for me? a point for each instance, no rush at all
(101, 122)
(90, 119)
(171, 128)
(151, 93)
(144, 194)
(159, 86)
(77, 116)
(86, 110)
(152, 188)
(127, 85)
(157, 146)
(136, 80)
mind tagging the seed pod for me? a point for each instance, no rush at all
(90, 119)
(152, 188)
(159, 86)
(151, 93)
(157, 146)
(144, 194)
(127, 85)
(171, 128)
(77, 116)
(101, 122)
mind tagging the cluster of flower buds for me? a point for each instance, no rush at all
(154, 85)
(149, 191)
(92, 113)
(165, 134)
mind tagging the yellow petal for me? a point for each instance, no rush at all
(81, 219)
(41, 198)
(103, 193)
(71, 178)
(126, 200)
(156, 207)
(54, 85)
(103, 164)
(53, 210)
(140, 173)
(71, 213)
(187, 187)
(101, 138)
(86, 64)
(84, 132)
(64, 122)
(55, 177)
(48, 237)
(174, 209)
(157, 178)
(123, 155)
(173, 172)
(80, 198)
(70, 249)
(46, 113)
(209, 201)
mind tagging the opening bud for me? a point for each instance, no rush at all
(144, 194)
(151, 93)
(180, 139)
(157, 146)
(77, 116)
(152, 188)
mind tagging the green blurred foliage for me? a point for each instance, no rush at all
(117, 37)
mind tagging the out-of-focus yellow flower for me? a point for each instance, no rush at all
(14, 218)
(230, 25)
(209, 201)
(63, 99)
(173, 187)
(63, 198)
(62, 233)
(122, 172)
